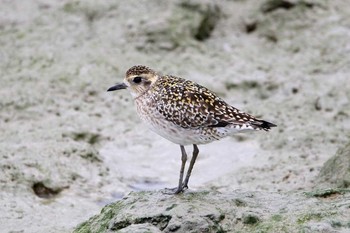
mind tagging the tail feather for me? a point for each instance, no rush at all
(260, 124)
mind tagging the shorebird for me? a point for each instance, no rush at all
(184, 112)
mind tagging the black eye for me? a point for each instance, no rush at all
(137, 79)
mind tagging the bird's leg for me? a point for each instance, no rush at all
(183, 164)
(193, 160)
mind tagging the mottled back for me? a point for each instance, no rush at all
(190, 105)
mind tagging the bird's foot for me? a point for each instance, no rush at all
(170, 191)
(176, 190)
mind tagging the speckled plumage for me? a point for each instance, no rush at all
(187, 107)
(138, 70)
(183, 111)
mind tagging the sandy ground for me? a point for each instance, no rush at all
(67, 147)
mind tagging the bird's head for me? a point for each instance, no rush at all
(138, 79)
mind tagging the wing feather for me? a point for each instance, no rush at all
(190, 105)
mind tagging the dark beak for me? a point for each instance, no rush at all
(118, 87)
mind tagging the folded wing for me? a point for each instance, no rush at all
(190, 105)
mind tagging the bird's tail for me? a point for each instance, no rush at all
(260, 124)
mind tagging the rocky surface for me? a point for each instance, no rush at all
(68, 148)
(238, 211)
(335, 172)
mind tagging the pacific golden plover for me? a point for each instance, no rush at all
(184, 112)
